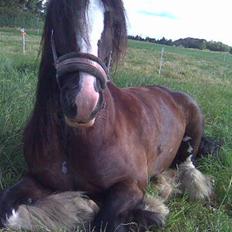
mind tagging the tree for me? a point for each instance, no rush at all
(165, 41)
(35, 6)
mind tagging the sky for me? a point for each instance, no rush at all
(174, 19)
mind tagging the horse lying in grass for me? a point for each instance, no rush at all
(86, 135)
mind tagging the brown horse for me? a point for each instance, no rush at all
(85, 134)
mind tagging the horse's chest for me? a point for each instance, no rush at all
(97, 171)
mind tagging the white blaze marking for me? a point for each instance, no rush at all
(95, 26)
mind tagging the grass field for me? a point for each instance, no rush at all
(207, 76)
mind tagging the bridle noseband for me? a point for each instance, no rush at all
(80, 62)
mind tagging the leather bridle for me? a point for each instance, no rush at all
(80, 62)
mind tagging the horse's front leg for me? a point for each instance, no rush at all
(25, 191)
(119, 202)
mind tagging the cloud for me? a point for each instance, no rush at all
(176, 19)
(157, 14)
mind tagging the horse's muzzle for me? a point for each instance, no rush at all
(85, 104)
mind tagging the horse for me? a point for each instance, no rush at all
(87, 135)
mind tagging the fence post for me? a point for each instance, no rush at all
(37, 22)
(225, 54)
(161, 60)
(23, 34)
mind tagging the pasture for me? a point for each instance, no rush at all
(207, 76)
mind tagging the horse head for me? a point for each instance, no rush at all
(82, 40)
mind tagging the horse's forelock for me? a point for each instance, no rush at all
(67, 19)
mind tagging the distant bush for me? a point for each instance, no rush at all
(218, 46)
(14, 17)
(191, 43)
(164, 41)
(151, 40)
(137, 37)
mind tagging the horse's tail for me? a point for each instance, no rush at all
(58, 212)
(209, 146)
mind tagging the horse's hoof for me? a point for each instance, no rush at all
(8, 208)
(147, 219)
(6, 217)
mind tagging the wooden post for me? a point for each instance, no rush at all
(37, 25)
(23, 34)
(161, 60)
(225, 54)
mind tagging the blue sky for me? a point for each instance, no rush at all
(174, 19)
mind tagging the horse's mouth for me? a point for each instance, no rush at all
(76, 124)
(89, 120)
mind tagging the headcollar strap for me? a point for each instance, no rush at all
(77, 61)
(54, 53)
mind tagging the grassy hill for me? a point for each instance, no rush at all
(207, 76)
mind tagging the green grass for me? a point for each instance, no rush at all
(207, 76)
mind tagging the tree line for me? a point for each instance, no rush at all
(22, 13)
(35, 6)
(187, 43)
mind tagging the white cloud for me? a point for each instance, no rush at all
(176, 19)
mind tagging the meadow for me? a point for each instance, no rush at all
(205, 75)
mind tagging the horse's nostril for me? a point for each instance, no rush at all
(70, 111)
(69, 107)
